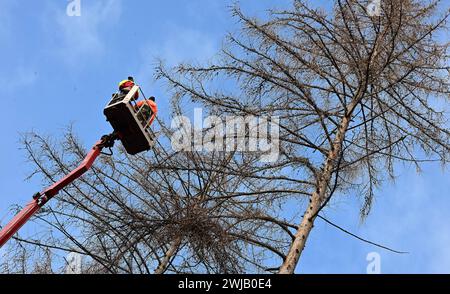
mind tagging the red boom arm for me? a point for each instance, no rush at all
(41, 198)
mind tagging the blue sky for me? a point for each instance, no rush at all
(57, 70)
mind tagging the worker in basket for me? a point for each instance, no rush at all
(146, 111)
(124, 87)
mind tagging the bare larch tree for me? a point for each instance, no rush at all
(164, 211)
(355, 92)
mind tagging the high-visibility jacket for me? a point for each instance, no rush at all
(152, 106)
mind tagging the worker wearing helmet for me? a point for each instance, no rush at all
(147, 110)
(125, 86)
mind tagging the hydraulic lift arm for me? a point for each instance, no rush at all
(39, 199)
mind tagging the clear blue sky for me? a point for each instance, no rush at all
(57, 70)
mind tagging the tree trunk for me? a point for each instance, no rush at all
(316, 201)
(169, 254)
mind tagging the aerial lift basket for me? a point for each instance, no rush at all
(129, 122)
